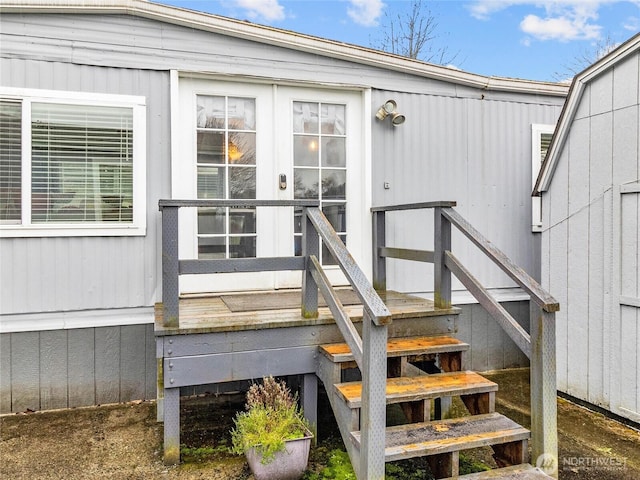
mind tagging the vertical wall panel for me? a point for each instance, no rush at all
(132, 358)
(5, 373)
(107, 364)
(151, 379)
(53, 369)
(579, 165)
(625, 145)
(25, 371)
(577, 308)
(595, 299)
(626, 82)
(600, 164)
(81, 367)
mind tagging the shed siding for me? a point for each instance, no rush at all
(591, 244)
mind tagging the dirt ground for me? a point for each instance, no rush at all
(124, 441)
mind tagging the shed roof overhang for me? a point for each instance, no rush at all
(580, 81)
(282, 38)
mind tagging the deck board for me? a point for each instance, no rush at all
(209, 314)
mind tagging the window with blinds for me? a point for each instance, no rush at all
(82, 163)
(10, 161)
(71, 163)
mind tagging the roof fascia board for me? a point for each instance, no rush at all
(571, 107)
(286, 39)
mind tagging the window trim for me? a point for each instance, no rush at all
(138, 105)
(537, 130)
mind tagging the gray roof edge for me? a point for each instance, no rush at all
(284, 38)
(571, 106)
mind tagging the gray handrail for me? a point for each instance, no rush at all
(517, 274)
(340, 315)
(371, 301)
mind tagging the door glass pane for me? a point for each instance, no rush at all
(332, 119)
(336, 213)
(242, 148)
(242, 182)
(305, 183)
(211, 182)
(305, 151)
(212, 221)
(305, 117)
(334, 153)
(227, 158)
(320, 160)
(211, 147)
(334, 184)
(210, 248)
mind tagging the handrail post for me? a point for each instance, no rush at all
(441, 274)
(379, 262)
(544, 423)
(170, 265)
(310, 246)
(373, 412)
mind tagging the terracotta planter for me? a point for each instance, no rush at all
(288, 464)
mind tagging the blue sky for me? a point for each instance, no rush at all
(537, 40)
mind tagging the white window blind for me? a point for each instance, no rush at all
(82, 163)
(10, 161)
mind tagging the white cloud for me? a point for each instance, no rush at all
(632, 24)
(563, 28)
(365, 12)
(562, 20)
(269, 10)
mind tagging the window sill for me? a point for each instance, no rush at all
(93, 230)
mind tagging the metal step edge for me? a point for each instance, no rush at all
(453, 347)
(482, 385)
(515, 472)
(436, 443)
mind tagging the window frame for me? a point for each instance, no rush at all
(27, 229)
(537, 130)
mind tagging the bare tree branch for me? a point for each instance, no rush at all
(413, 34)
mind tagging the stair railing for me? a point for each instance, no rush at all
(539, 345)
(369, 350)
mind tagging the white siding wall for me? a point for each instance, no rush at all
(476, 151)
(587, 224)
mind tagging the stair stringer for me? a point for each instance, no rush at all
(347, 419)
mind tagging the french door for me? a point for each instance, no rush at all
(259, 141)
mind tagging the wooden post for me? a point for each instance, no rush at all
(310, 246)
(441, 274)
(170, 265)
(544, 426)
(373, 412)
(379, 263)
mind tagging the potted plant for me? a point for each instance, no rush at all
(272, 432)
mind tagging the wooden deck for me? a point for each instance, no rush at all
(210, 313)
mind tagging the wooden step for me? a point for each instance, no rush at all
(446, 436)
(516, 472)
(411, 389)
(400, 347)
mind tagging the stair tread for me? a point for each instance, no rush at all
(445, 436)
(398, 347)
(407, 389)
(515, 472)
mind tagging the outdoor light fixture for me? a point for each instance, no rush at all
(389, 108)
